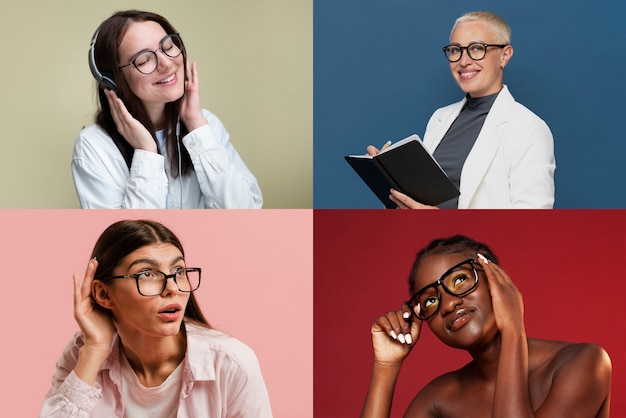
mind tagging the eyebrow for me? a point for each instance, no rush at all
(446, 273)
(471, 42)
(153, 262)
(133, 56)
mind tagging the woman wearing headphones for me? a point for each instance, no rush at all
(152, 145)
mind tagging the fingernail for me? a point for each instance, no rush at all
(401, 338)
(393, 335)
(482, 257)
(406, 315)
(408, 338)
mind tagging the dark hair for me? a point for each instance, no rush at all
(106, 53)
(452, 245)
(124, 237)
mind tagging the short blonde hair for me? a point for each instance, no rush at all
(500, 28)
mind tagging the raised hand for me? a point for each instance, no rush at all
(131, 129)
(95, 323)
(191, 110)
(506, 299)
(394, 335)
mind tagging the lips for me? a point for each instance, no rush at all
(170, 312)
(466, 75)
(459, 319)
(171, 308)
(167, 80)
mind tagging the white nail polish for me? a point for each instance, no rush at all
(406, 315)
(482, 257)
(408, 339)
(393, 335)
(401, 338)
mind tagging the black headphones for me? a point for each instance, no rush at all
(105, 78)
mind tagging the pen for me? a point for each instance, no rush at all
(386, 145)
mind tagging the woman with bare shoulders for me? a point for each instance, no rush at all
(470, 303)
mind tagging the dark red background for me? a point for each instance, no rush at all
(569, 265)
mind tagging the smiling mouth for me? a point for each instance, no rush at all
(468, 74)
(168, 79)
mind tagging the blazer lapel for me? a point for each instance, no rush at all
(485, 148)
(444, 120)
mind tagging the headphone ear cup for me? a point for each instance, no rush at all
(107, 82)
(105, 78)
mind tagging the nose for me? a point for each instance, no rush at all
(448, 303)
(170, 285)
(163, 61)
(465, 58)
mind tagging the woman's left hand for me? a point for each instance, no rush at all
(506, 299)
(191, 110)
(405, 202)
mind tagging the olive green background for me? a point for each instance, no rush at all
(255, 63)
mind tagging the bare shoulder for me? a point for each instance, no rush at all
(569, 379)
(578, 356)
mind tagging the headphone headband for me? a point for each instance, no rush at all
(104, 78)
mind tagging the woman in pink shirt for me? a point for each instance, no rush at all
(144, 347)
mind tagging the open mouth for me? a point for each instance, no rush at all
(170, 309)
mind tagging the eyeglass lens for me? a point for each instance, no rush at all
(152, 283)
(146, 62)
(457, 282)
(475, 52)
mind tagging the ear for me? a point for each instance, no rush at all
(101, 294)
(505, 56)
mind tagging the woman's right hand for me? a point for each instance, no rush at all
(131, 129)
(394, 335)
(95, 323)
(372, 150)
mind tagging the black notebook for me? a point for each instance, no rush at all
(407, 167)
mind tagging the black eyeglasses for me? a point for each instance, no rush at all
(146, 62)
(459, 280)
(475, 50)
(154, 282)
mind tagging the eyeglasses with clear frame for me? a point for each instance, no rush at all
(475, 50)
(154, 282)
(146, 62)
(459, 280)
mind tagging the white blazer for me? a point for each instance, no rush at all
(511, 164)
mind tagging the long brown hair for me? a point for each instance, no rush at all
(124, 237)
(106, 53)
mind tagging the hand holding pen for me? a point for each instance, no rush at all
(372, 150)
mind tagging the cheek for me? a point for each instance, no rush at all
(137, 83)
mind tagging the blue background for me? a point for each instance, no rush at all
(379, 74)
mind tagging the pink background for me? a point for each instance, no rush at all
(569, 265)
(256, 286)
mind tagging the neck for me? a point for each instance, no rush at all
(487, 358)
(157, 115)
(153, 359)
